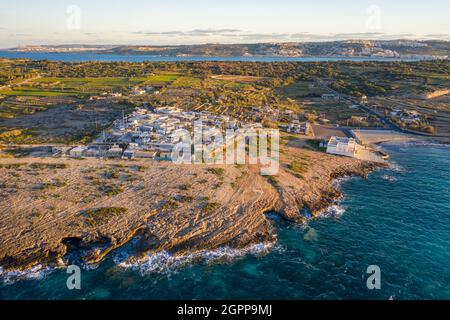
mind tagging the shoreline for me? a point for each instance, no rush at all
(297, 248)
(238, 222)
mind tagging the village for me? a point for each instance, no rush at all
(154, 133)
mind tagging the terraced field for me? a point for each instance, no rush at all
(30, 91)
(63, 87)
(301, 89)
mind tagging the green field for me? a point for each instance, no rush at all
(87, 84)
(60, 87)
(188, 82)
(29, 91)
(162, 79)
(300, 89)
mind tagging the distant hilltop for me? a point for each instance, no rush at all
(348, 48)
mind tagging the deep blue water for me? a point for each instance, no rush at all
(398, 219)
(80, 57)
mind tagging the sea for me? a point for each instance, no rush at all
(89, 56)
(398, 220)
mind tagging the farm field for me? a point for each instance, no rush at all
(237, 78)
(53, 86)
(271, 93)
(301, 89)
(16, 106)
(333, 111)
(30, 91)
(62, 123)
(58, 103)
(162, 78)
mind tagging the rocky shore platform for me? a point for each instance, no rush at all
(53, 209)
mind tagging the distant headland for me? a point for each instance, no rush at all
(347, 48)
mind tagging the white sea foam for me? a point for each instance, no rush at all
(37, 272)
(417, 143)
(338, 182)
(335, 210)
(389, 178)
(396, 167)
(164, 262)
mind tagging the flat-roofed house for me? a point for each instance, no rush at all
(77, 152)
(128, 154)
(342, 146)
(299, 127)
(114, 152)
(92, 152)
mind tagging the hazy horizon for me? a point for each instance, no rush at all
(174, 22)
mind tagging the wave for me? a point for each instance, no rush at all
(334, 211)
(35, 273)
(417, 143)
(164, 262)
(39, 271)
(395, 167)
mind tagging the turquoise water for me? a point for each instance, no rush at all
(85, 56)
(398, 219)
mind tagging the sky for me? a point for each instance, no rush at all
(158, 22)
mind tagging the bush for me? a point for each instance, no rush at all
(210, 206)
(111, 174)
(185, 186)
(102, 215)
(216, 171)
(185, 199)
(110, 190)
(273, 181)
(50, 166)
(170, 205)
(48, 186)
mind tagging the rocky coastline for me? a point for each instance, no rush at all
(164, 207)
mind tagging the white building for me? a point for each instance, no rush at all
(138, 91)
(60, 150)
(92, 152)
(363, 99)
(299, 127)
(77, 152)
(342, 146)
(114, 152)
